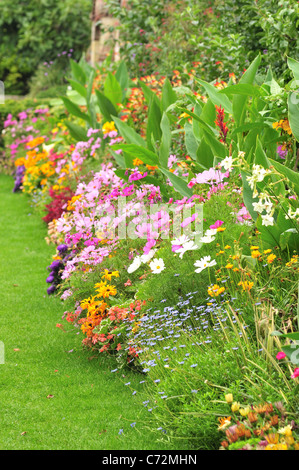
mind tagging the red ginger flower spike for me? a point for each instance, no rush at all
(221, 124)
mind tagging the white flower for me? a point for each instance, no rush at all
(148, 257)
(258, 206)
(267, 220)
(227, 163)
(135, 265)
(204, 263)
(210, 232)
(207, 239)
(157, 265)
(187, 247)
(180, 241)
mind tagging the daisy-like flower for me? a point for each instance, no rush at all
(187, 247)
(135, 265)
(207, 239)
(157, 265)
(204, 263)
(147, 257)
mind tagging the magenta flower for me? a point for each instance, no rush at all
(296, 373)
(217, 224)
(280, 355)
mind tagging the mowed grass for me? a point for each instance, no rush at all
(52, 396)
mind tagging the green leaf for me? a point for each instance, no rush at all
(112, 89)
(76, 131)
(178, 183)
(75, 110)
(135, 151)
(241, 89)
(293, 176)
(78, 72)
(240, 101)
(294, 66)
(293, 105)
(153, 129)
(129, 134)
(165, 146)
(216, 97)
(123, 78)
(168, 95)
(107, 109)
(78, 87)
(204, 156)
(190, 141)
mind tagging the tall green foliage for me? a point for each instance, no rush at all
(35, 31)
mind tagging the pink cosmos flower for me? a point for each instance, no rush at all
(296, 373)
(217, 224)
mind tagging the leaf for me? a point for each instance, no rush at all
(78, 72)
(107, 108)
(75, 110)
(293, 176)
(239, 101)
(129, 134)
(79, 133)
(123, 78)
(241, 89)
(147, 156)
(164, 150)
(168, 95)
(204, 156)
(178, 183)
(190, 141)
(153, 129)
(78, 87)
(216, 97)
(293, 113)
(112, 89)
(294, 66)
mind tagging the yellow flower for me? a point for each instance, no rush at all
(271, 258)
(286, 431)
(105, 290)
(229, 397)
(244, 411)
(267, 251)
(235, 407)
(255, 254)
(215, 290)
(108, 127)
(246, 285)
(137, 162)
(227, 247)
(109, 274)
(221, 229)
(229, 266)
(254, 247)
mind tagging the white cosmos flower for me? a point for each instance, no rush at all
(210, 232)
(204, 263)
(146, 258)
(187, 247)
(207, 239)
(157, 265)
(180, 241)
(135, 265)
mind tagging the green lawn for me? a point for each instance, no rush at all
(89, 404)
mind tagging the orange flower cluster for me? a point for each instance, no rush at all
(257, 427)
